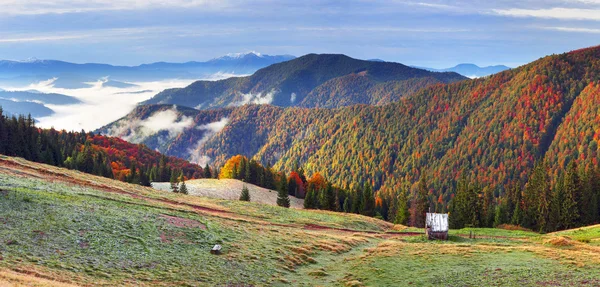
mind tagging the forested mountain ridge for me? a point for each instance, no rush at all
(313, 80)
(90, 153)
(491, 130)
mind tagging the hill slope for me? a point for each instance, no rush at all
(64, 228)
(311, 81)
(491, 129)
(230, 189)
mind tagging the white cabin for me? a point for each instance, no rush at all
(436, 226)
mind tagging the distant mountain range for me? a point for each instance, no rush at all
(314, 80)
(471, 70)
(71, 76)
(32, 102)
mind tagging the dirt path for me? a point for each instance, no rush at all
(330, 269)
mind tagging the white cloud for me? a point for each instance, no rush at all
(36, 7)
(100, 105)
(573, 29)
(21, 39)
(214, 127)
(196, 153)
(167, 121)
(293, 98)
(552, 13)
(258, 98)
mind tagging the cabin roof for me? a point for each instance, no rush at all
(438, 222)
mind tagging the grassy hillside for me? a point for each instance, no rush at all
(64, 228)
(230, 189)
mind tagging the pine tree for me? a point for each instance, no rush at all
(174, 182)
(357, 201)
(247, 173)
(331, 198)
(420, 204)
(283, 198)
(368, 200)
(207, 173)
(569, 208)
(489, 207)
(402, 213)
(245, 194)
(310, 199)
(558, 195)
(183, 189)
(346, 206)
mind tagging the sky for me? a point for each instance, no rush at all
(431, 33)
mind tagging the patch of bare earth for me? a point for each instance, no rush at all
(183, 222)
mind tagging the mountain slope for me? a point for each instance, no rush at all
(32, 102)
(472, 70)
(305, 80)
(492, 130)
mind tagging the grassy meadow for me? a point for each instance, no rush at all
(65, 228)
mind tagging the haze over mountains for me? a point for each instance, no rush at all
(104, 93)
(73, 76)
(314, 80)
(471, 70)
(492, 129)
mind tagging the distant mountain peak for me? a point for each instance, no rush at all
(234, 56)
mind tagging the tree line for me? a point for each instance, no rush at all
(90, 153)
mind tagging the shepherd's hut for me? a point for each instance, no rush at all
(436, 226)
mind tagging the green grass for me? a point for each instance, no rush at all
(62, 228)
(483, 232)
(584, 234)
(72, 233)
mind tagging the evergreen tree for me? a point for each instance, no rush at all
(368, 198)
(420, 204)
(183, 189)
(331, 198)
(245, 194)
(569, 208)
(247, 173)
(558, 195)
(310, 199)
(283, 198)
(402, 213)
(346, 206)
(174, 182)
(357, 201)
(207, 173)
(489, 207)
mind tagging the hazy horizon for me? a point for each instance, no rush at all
(433, 33)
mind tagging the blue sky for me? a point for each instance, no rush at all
(431, 33)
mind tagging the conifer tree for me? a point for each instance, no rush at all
(207, 172)
(357, 201)
(368, 200)
(310, 199)
(283, 198)
(402, 213)
(569, 208)
(174, 182)
(346, 206)
(489, 207)
(183, 189)
(420, 204)
(245, 194)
